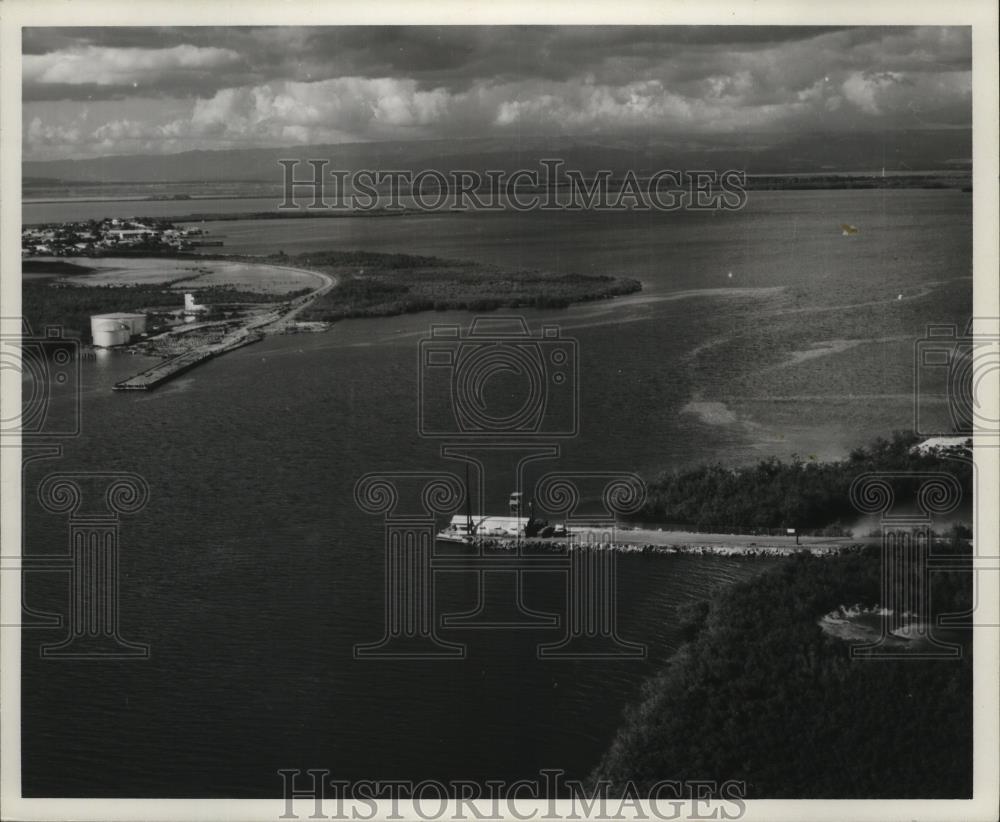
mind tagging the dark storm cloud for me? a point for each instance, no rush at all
(448, 56)
(106, 90)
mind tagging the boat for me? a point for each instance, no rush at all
(466, 528)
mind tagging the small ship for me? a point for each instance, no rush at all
(466, 528)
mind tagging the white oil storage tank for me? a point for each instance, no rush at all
(109, 330)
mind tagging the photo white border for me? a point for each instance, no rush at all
(980, 14)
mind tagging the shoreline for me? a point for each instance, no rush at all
(252, 329)
(556, 546)
(814, 181)
(648, 543)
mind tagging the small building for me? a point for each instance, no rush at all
(191, 307)
(487, 526)
(109, 330)
(129, 233)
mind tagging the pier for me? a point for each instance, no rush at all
(272, 321)
(734, 549)
(630, 540)
(165, 371)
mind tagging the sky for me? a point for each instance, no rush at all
(109, 91)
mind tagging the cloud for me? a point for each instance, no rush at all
(862, 88)
(345, 107)
(452, 57)
(40, 135)
(170, 89)
(122, 67)
(920, 98)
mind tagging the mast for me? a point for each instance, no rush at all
(468, 503)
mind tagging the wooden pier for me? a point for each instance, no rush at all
(165, 371)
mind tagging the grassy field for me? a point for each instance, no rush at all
(183, 273)
(67, 292)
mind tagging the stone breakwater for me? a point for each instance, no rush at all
(648, 549)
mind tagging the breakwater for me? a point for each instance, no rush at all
(649, 549)
(162, 372)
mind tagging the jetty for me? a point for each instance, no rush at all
(274, 321)
(644, 541)
(732, 549)
(175, 366)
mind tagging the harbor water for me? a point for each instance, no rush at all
(251, 572)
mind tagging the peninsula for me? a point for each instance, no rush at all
(197, 306)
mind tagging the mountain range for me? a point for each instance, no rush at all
(895, 151)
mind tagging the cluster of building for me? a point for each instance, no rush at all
(102, 236)
(121, 328)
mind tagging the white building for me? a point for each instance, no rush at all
(485, 526)
(129, 233)
(109, 330)
(191, 307)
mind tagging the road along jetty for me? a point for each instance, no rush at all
(649, 549)
(657, 543)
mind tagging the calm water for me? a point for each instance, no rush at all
(68, 211)
(251, 573)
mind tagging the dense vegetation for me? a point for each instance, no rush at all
(376, 285)
(760, 694)
(71, 307)
(807, 495)
(370, 285)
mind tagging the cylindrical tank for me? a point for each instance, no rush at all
(106, 338)
(110, 330)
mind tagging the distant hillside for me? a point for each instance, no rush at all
(756, 153)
